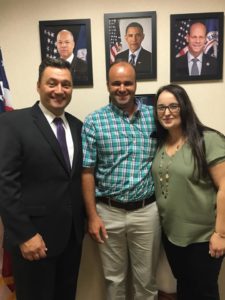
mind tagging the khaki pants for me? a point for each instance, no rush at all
(134, 237)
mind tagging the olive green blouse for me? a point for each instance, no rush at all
(187, 208)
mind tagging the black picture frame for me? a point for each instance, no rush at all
(115, 27)
(148, 99)
(211, 68)
(81, 30)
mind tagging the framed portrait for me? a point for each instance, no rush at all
(132, 37)
(147, 99)
(196, 46)
(70, 40)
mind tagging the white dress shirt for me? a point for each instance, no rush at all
(136, 53)
(190, 62)
(50, 118)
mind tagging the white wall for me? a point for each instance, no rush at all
(19, 40)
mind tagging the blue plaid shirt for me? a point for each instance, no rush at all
(121, 151)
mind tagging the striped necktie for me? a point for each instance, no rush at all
(132, 59)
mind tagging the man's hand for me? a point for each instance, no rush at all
(34, 248)
(97, 230)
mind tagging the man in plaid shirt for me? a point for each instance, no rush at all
(118, 189)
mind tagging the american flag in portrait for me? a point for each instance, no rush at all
(50, 49)
(5, 95)
(6, 276)
(50, 43)
(212, 39)
(181, 31)
(115, 39)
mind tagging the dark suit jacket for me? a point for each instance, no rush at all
(209, 65)
(37, 192)
(79, 70)
(144, 61)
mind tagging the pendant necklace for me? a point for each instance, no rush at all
(165, 176)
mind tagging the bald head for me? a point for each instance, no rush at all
(122, 66)
(122, 86)
(65, 43)
(196, 38)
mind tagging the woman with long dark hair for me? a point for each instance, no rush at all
(189, 175)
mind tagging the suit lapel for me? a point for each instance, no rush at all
(139, 59)
(73, 130)
(43, 125)
(205, 65)
(128, 58)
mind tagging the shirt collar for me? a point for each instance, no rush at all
(136, 53)
(190, 57)
(124, 113)
(70, 58)
(50, 116)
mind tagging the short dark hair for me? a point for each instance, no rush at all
(134, 24)
(53, 62)
(192, 127)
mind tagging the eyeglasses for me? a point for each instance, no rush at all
(174, 108)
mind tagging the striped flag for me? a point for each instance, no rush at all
(212, 38)
(115, 39)
(50, 48)
(5, 105)
(7, 270)
(6, 283)
(181, 31)
(5, 98)
(50, 42)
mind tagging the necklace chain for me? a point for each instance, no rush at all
(164, 177)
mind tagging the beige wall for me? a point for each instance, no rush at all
(19, 40)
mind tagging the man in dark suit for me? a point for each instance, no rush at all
(65, 45)
(140, 58)
(40, 189)
(196, 62)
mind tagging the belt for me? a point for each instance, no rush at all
(126, 205)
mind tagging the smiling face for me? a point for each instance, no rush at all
(55, 89)
(168, 111)
(134, 38)
(196, 39)
(122, 86)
